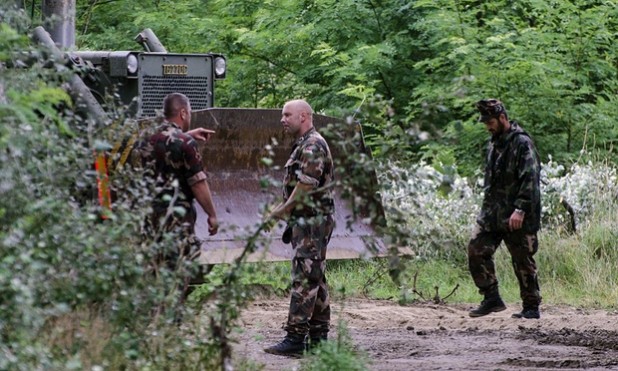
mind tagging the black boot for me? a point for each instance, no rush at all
(489, 305)
(292, 345)
(315, 341)
(528, 312)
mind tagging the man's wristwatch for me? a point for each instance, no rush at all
(520, 212)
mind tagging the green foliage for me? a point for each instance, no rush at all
(60, 262)
(579, 269)
(361, 277)
(466, 141)
(553, 65)
(337, 354)
(77, 291)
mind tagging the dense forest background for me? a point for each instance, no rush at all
(78, 292)
(553, 63)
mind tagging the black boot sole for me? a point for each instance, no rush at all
(492, 310)
(520, 316)
(291, 355)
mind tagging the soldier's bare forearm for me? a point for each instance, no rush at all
(202, 194)
(283, 210)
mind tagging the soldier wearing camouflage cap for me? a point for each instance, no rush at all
(510, 212)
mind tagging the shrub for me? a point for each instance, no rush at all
(583, 186)
(438, 206)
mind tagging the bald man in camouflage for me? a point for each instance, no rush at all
(510, 212)
(307, 207)
(172, 156)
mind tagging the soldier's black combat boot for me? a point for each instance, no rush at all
(315, 341)
(293, 345)
(528, 312)
(489, 305)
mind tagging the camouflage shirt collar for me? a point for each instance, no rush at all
(170, 123)
(304, 136)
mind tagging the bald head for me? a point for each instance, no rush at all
(301, 106)
(297, 117)
(177, 108)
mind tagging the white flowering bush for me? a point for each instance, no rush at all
(439, 207)
(583, 187)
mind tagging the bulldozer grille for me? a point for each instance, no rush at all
(161, 74)
(155, 88)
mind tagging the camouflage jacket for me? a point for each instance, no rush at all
(311, 163)
(512, 176)
(173, 155)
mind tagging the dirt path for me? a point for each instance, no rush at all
(443, 337)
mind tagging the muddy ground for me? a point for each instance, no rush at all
(443, 337)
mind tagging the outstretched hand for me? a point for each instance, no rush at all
(201, 134)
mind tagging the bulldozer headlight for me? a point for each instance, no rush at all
(132, 64)
(220, 67)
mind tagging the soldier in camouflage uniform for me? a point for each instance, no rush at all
(510, 212)
(172, 155)
(307, 207)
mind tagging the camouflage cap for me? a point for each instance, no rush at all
(490, 108)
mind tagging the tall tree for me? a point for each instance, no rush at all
(553, 63)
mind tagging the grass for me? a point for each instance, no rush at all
(574, 269)
(579, 270)
(336, 354)
(85, 330)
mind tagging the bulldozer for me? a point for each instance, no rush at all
(233, 158)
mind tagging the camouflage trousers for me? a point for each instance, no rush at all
(521, 245)
(310, 302)
(180, 255)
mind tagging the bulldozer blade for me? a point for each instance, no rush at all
(237, 175)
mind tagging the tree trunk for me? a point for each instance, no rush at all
(2, 96)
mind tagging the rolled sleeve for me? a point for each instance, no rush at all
(196, 178)
(312, 166)
(306, 179)
(194, 171)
